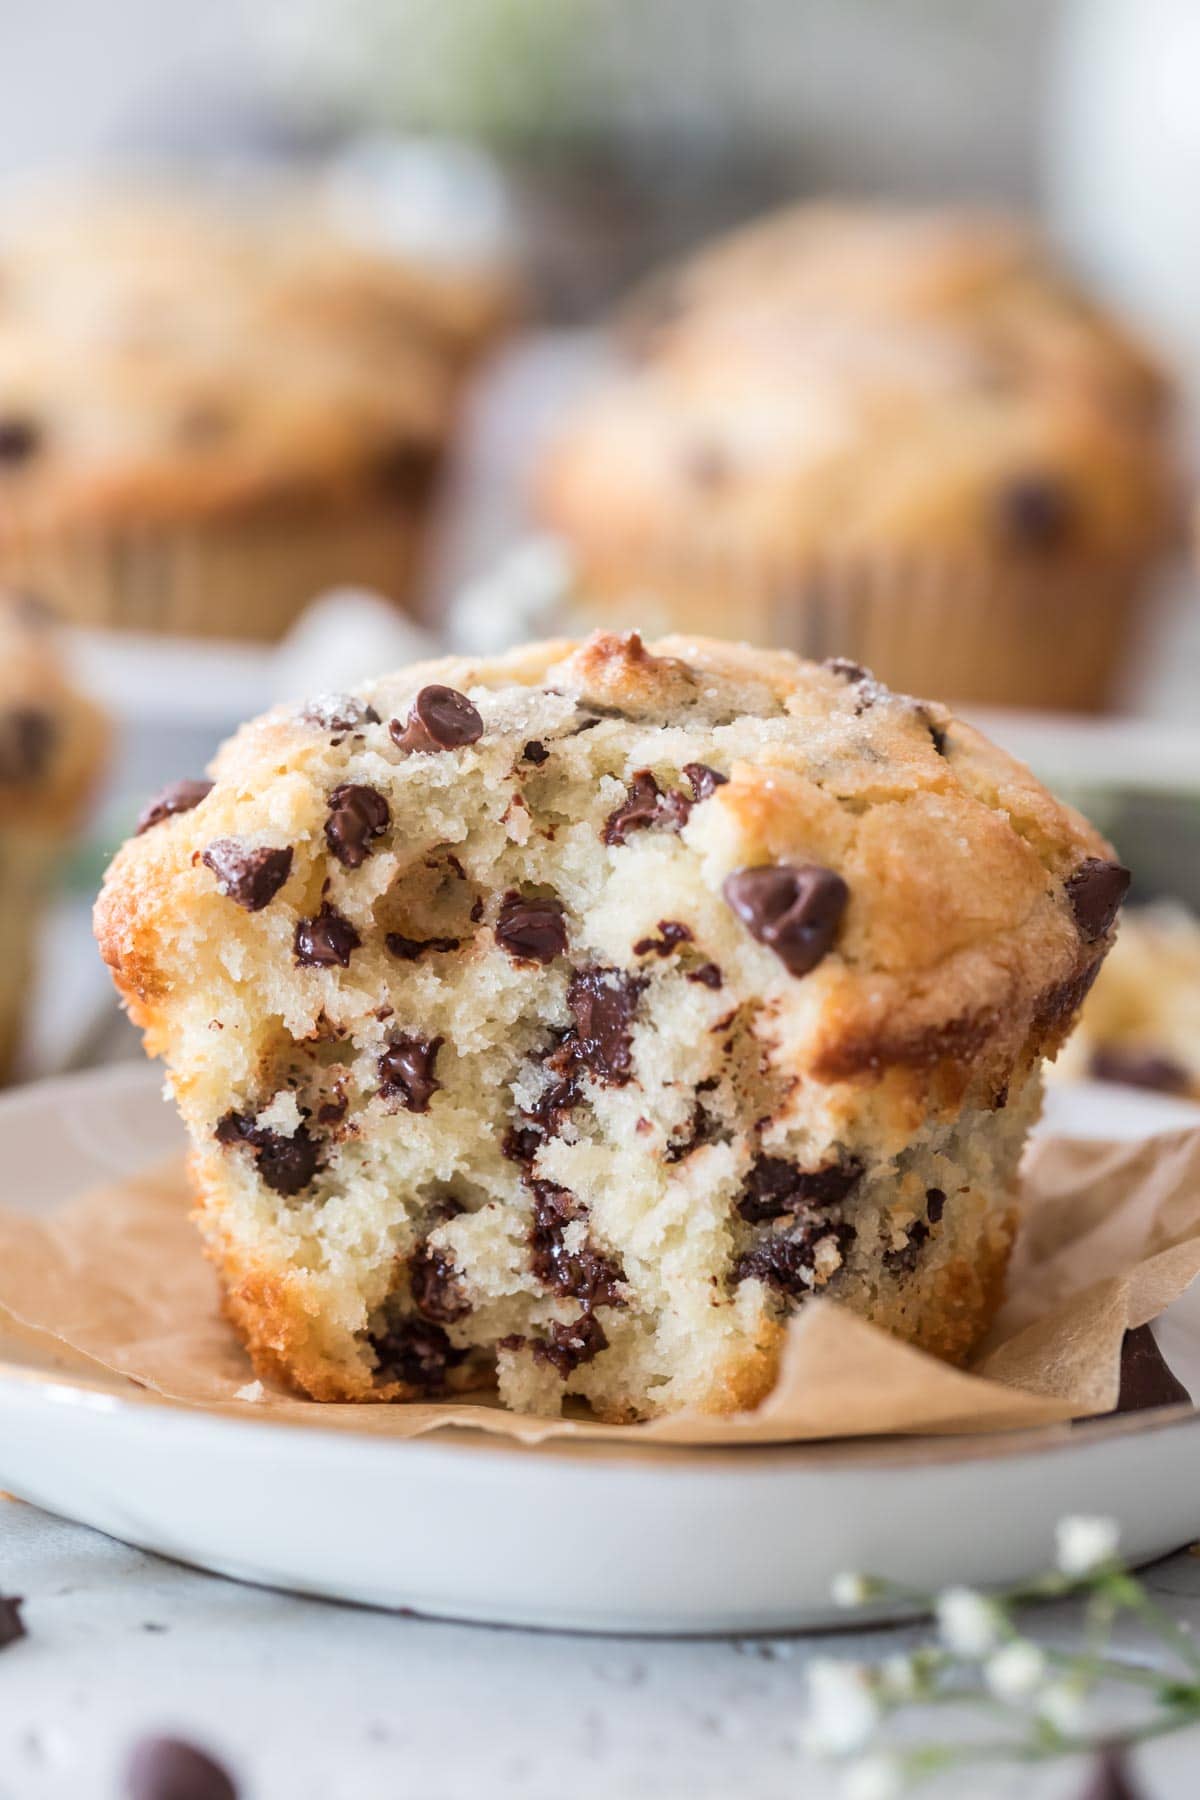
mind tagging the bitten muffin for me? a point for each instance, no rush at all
(1141, 1023)
(208, 413)
(906, 438)
(53, 752)
(571, 1018)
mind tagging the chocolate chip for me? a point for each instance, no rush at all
(436, 1292)
(27, 740)
(545, 1118)
(1146, 1380)
(165, 1768)
(645, 805)
(406, 1070)
(776, 1185)
(783, 1260)
(1140, 1069)
(12, 1628)
(357, 816)
(935, 1205)
(673, 933)
(416, 1352)
(704, 781)
(569, 1345)
(20, 439)
(180, 797)
(1035, 512)
(708, 975)
(408, 949)
(251, 876)
(795, 910)
(604, 1003)
(583, 1273)
(332, 1112)
(440, 718)
(849, 671)
(284, 1164)
(1095, 891)
(1109, 1777)
(327, 939)
(535, 752)
(531, 930)
(702, 1128)
(904, 1260)
(339, 713)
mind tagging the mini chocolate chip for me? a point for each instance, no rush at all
(584, 1273)
(795, 910)
(935, 1205)
(416, 1352)
(777, 1185)
(646, 804)
(673, 934)
(569, 1345)
(782, 1260)
(339, 713)
(440, 718)
(12, 1627)
(1035, 512)
(708, 975)
(20, 439)
(1146, 1379)
(1095, 891)
(251, 876)
(904, 1260)
(165, 1768)
(435, 1286)
(531, 930)
(1140, 1069)
(357, 816)
(27, 739)
(180, 797)
(704, 781)
(406, 1070)
(604, 1003)
(327, 939)
(284, 1164)
(535, 752)
(409, 949)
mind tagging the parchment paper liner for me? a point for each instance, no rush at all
(1110, 1236)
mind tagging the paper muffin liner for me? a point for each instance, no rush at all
(1055, 637)
(243, 577)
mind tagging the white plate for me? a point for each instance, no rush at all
(588, 1536)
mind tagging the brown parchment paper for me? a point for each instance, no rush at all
(1110, 1236)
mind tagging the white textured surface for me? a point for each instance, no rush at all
(309, 1701)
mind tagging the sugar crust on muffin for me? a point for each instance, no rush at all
(567, 1019)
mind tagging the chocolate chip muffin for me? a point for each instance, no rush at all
(53, 752)
(570, 1019)
(1141, 1023)
(907, 438)
(208, 413)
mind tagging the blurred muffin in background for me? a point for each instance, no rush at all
(53, 754)
(210, 411)
(901, 437)
(1141, 1022)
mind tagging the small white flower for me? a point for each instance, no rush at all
(850, 1589)
(843, 1707)
(1085, 1544)
(969, 1624)
(1062, 1705)
(1015, 1670)
(898, 1675)
(873, 1778)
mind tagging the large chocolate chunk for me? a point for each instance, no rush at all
(435, 1286)
(1146, 1379)
(1095, 891)
(27, 740)
(604, 1002)
(12, 1628)
(327, 940)
(248, 874)
(567, 1346)
(783, 1260)
(645, 805)
(580, 1274)
(357, 816)
(417, 1352)
(794, 909)
(406, 1070)
(776, 1185)
(531, 930)
(440, 718)
(180, 797)
(164, 1768)
(285, 1164)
